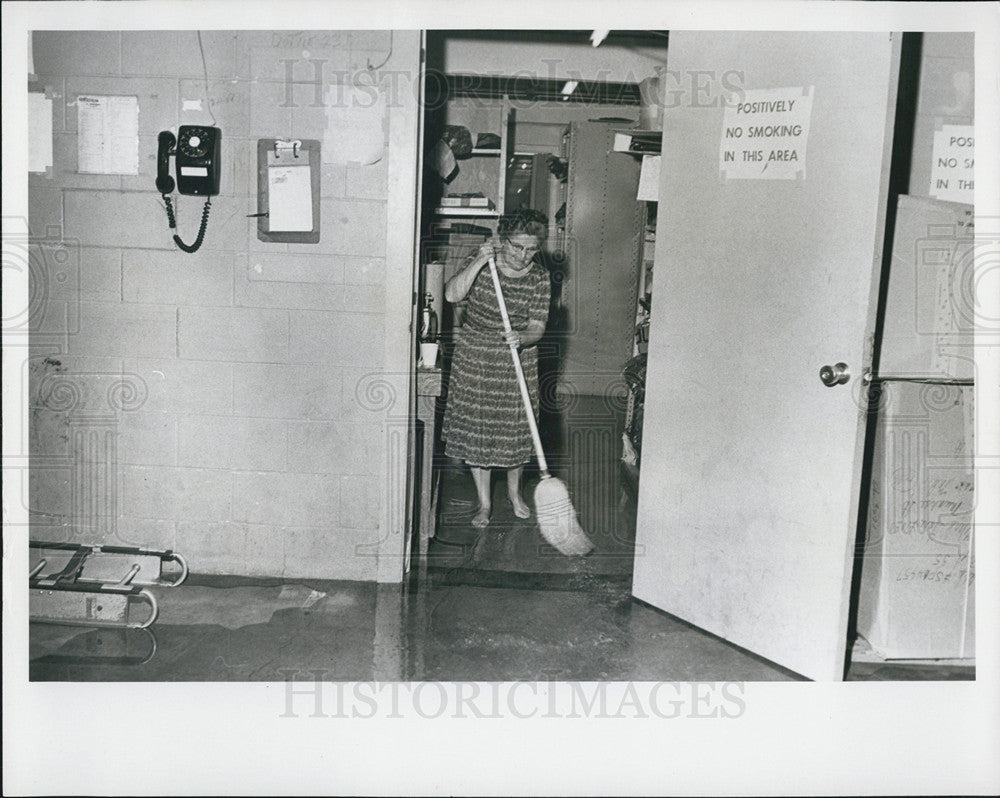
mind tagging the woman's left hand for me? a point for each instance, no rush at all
(512, 338)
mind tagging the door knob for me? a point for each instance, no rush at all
(834, 375)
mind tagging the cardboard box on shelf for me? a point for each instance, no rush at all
(930, 310)
(917, 596)
(466, 202)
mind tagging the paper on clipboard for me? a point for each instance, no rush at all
(289, 192)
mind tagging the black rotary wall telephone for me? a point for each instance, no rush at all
(198, 151)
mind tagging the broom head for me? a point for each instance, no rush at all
(557, 519)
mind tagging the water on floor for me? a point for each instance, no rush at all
(497, 604)
(494, 626)
(215, 629)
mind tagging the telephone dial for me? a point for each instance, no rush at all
(197, 150)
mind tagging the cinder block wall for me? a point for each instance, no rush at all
(222, 403)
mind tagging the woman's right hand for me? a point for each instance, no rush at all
(487, 250)
(458, 287)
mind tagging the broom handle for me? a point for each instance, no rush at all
(522, 383)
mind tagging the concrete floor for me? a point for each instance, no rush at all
(496, 605)
(223, 630)
(507, 627)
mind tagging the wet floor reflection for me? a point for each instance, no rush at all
(482, 626)
(577, 627)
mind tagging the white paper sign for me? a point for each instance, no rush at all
(764, 135)
(952, 167)
(355, 125)
(649, 179)
(39, 132)
(289, 199)
(108, 135)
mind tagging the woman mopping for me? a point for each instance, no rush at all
(484, 422)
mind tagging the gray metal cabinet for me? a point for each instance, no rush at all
(594, 318)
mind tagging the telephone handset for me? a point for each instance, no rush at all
(197, 150)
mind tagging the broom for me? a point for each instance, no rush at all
(556, 516)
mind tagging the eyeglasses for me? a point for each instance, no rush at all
(523, 252)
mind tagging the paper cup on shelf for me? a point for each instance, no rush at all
(428, 354)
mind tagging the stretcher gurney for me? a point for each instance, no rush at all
(115, 646)
(86, 585)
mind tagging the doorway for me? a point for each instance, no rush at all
(544, 143)
(588, 433)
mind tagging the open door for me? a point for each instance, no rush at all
(418, 469)
(751, 469)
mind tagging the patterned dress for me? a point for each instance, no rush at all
(484, 419)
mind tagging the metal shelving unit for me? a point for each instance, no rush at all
(495, 191)
(467, 212)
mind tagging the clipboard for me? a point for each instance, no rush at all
(288, 177)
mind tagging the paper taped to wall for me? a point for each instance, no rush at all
(108, 135)
(289, 192)
(764, 135)
(952, 167)
(355, 125)
(39, 132)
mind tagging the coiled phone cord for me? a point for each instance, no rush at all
(172, 220)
